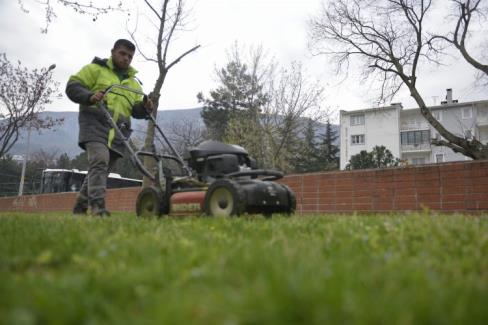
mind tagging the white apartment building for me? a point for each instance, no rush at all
(407, 134)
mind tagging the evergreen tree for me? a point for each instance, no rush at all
(9, 176)
(125, 168)
(328, 151)
(240, 90)
(382, 157)
(80, 162)
(379, 157)
(245, 130)
(362, 160)
(306, 159)
(64, 162)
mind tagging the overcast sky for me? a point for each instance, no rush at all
(280, 26)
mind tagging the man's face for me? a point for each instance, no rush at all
(122, 57)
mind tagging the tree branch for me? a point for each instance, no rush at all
(182, 56)
(153, 10)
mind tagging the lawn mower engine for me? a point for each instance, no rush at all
(225, 182)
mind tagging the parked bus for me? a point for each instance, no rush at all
(70, 180)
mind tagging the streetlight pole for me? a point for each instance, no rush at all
(24, 162)
(26, 155)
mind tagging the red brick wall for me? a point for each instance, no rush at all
(460, 186)
(121, 199)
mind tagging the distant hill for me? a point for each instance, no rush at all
(64, 138)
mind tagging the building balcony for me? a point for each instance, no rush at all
(420, 147)
(414, 126)
(482, 121)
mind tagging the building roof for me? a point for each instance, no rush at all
(413, 109)
(450, 105)
(374, 109)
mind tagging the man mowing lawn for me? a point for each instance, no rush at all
(96, 137)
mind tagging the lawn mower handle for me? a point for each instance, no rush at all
(157, 157)
(176, 156)
(133, 157)
(136, 91)
(153, 120)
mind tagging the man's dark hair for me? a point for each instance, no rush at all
(125, 43)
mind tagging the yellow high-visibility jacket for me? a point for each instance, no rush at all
(96, 76)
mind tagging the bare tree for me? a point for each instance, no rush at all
(261, 107)
(186, 133)
(167, 19)
(391, 40)
(272, 134)
(79, 6)
(294, 96)
(467, 12)
(23, 94)
(48, 158)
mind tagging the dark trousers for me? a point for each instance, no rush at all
(100, 160)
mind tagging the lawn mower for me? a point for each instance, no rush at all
(213, 178)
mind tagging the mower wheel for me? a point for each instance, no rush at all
(225, 198)
(150, 203)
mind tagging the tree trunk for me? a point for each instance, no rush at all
(150, 162)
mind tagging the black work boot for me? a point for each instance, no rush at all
(80, 208)
(101, 213)
(98, 210)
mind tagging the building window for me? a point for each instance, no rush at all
(357, 139)
(418, 161)
(437, 115)
(415, 137)
(439, 158)
(357, 119)
(467, 112)
(483, 111)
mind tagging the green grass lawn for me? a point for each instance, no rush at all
(58, 269)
